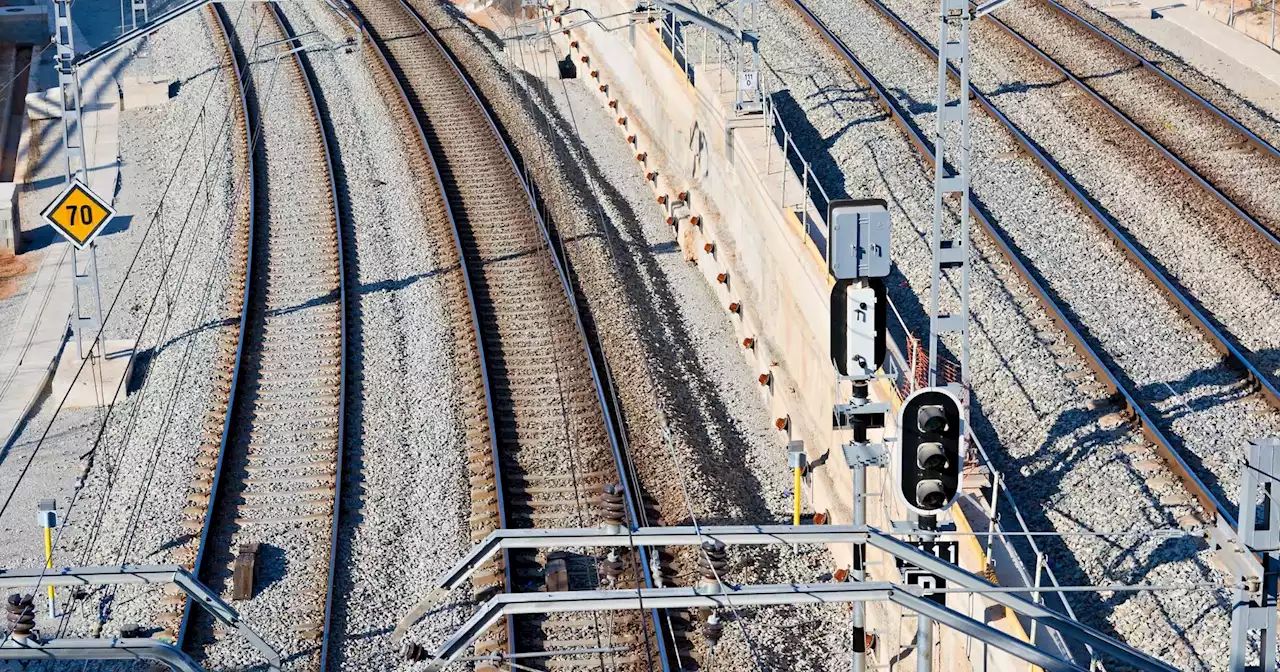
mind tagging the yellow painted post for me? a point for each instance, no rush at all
(796, 460)
(795, 514)
(48, 519)
(48, 554)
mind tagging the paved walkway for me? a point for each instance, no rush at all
(36, 342)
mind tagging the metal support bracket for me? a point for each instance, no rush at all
(790, 535)
(1254, 607)
(197, 592)
(865, 455)
(125, 649)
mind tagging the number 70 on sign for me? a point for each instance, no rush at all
(78, 214)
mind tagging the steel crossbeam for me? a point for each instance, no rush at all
(197, 592)
(509, 604)
(125, 649)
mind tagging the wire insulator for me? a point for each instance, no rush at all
(622, 121)
(612, 567)
(781, 423)
(604, 88)
(695, 220)
(651, 175)
(765, 378)
(708, 248)
(631, 140)
(662, 199)
(712, 630)
(585, 59)
(684, 196)
(573, 44)
(642, 156)
(749, 343)
(671, 221)
(735, 307)
(711, 564)
(613, 104)
(595, 74)
(613, 510)
(21, 616)
(413, 651)
(722, 278)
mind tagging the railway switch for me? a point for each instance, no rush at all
(930, 458)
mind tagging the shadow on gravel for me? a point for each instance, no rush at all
(687, 390)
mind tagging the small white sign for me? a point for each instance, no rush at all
(748, 80)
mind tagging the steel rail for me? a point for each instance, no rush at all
(1155, 144)
(601, 379)
(223, 37)
(1253, 138)
(243, 75)
(1116, 390)
(325, 142)
(630, 482)
(499, 491)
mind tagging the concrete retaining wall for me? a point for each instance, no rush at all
(764, 263)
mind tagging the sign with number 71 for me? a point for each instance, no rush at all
(78, 214)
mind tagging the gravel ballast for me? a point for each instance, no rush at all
(1017, 375)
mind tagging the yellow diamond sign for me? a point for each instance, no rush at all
(78, 214)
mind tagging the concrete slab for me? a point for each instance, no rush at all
(1234, 45)
(92, 384)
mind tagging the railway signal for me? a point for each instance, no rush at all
(930, 450)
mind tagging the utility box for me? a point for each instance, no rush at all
(858, 244)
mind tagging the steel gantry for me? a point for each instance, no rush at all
(906, 596)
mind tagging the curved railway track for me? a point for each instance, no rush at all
(1116, 392)
(543, 438)
(276, 472)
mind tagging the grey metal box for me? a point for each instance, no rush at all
(858, 245)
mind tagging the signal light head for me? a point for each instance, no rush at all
(930, 494)
(932, 419)
(931, 456)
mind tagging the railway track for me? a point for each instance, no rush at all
(1250, 380)
(544, 446)
(1227, 159)
(1162, 429)
(275, 476)
(1225, 328)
